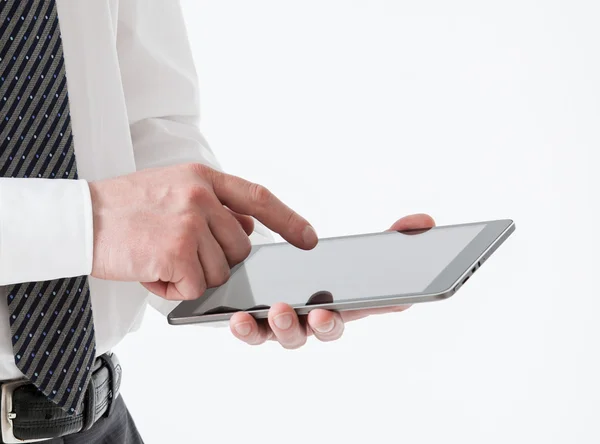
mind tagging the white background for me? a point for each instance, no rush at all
(357, 112)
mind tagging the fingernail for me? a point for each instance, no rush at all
(325, 328)
(283, 321)
(243, 329)
(310, 235)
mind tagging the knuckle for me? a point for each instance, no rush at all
(198, 168)
(259, 193)
(292, 218)
(199, 194)
(188, 223)
(241, 251)
(218, 277)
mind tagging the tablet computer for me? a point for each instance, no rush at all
(351, 272)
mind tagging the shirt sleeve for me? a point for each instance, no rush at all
(46, 229)
(161, 92)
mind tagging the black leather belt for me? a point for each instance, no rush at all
(26, 415)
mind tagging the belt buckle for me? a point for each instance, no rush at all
(7, 415)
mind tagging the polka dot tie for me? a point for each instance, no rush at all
(51, 322)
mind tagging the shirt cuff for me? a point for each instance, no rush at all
(46, 229)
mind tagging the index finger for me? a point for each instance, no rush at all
(255, 200)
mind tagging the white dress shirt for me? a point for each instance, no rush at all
(133, 95)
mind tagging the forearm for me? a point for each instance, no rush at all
(46, 229)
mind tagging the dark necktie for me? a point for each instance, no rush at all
(51, 322)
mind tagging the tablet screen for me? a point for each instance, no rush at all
(379, 265)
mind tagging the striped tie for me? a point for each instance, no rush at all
(51, 322)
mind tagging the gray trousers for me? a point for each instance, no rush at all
(118, 428)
